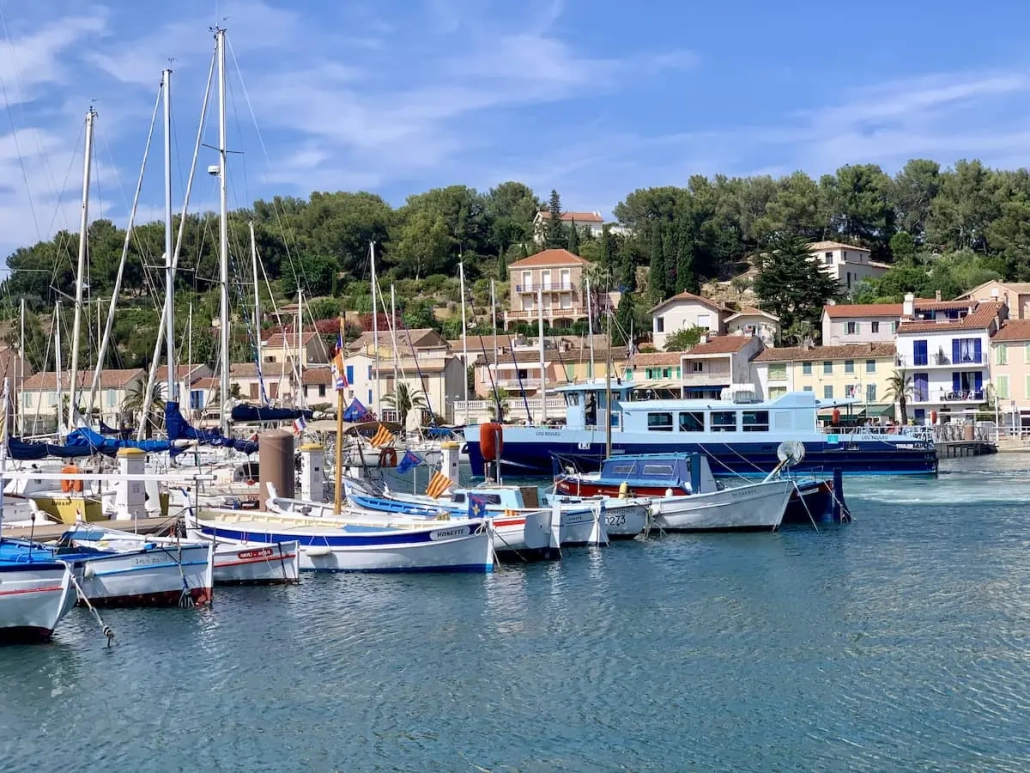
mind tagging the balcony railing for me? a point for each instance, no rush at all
(949, 396)
(547, 287)
(940, 360)
(575, 312)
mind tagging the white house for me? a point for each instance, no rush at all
(584, 221)
(945, 351)
(718, 363)
(39, 399)
(860, 323)
(438, 375)
(684, 311)
(754, 322)
(846, 263)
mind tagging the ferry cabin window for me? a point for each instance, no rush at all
(692, 422)
(755, 421)
(724, 421)
(659, 422)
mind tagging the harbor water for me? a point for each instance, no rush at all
(898, 642)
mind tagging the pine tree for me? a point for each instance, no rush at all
(791, 285)
(573, 239)
(656, 278)
(555, 235)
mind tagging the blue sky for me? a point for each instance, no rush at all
(592, 97)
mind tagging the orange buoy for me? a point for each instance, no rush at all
(933, 417)
(67, 486)
(491, 440)
(388, 457)
(835, 420)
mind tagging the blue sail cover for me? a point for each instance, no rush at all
(124, 434)
(252, 413)
(355, 411)
(80, 442)
(180, 429)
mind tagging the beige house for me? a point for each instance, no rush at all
(279, 348)
(1016, 295)
(718, 363)
(846, 263)
(41, 401)
(553, 278)
(423, 341)
(754, 322)
(1010, 371)
(684, 311)
(860, 323)
(438, 376)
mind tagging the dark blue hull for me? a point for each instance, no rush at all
(749, 459)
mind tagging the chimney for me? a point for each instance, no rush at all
(831, 302)
(937, 295)
(908, 308)
(703, 339)
(994, 293)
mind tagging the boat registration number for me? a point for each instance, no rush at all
(459, 531)
(259, 553)
(615, 520)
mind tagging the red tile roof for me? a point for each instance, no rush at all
(281, 341)
(317, 376)
(110, 378)
(720, 345)
(847, 352)
(657, 358)
(685, 296)
(1013, 330)
(813, 246)
(751, 311)
(550, 258)
(982, 317)
(863, 310)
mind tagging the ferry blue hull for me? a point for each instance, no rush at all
(749, 459)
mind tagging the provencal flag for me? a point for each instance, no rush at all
(382, 438)
(339, 371)
(438, 484)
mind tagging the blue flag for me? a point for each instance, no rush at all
(477, 506)
(409, 461)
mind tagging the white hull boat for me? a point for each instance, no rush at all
(444, 546)
(129, 570)
(623, 518)
(581, 526)
(34, 597)
(755, 507)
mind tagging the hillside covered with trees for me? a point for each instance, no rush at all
(942, 229)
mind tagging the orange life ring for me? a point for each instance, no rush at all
(68, 486)
(388, 457)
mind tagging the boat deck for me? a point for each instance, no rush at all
(53, 531)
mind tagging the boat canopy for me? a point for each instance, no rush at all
(245, 413)
(81, 442)
(180, 429)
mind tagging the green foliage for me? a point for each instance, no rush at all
(418, 314)
(555, 234)
(573, 239)
(899, 390)
(624, 320)
(684, 339)
(791, 285)
(323, 308)
(403, 399)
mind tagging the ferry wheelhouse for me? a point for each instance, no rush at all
(739, 436)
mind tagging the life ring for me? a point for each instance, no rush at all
(388, 457)
(68, 486)
(250, 482)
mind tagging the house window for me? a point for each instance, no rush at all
(775, 392)
(807, 389)
(870, 366)
(666, 372)
(849, 366)
(52, 399)
(390, 414)
(870, 393)
(849, 279)
(350, 374)
(659, 422)
(269, 359)
(692, 422)
(828, 259)
(196, 399)
(756, 421)
(806, 369)
(704, 320)
(778, 371)
(1026, 352)
(966, 350)
(112, 398)
(321, 390)
(659, 324)
(827, 367)
(724, 421)
(369, 396)
(26, 400)
(828, 391)
(369, 372)
(852, 328)
(874, 327)
(919, 352)
(1026, 385)
(1001, 384)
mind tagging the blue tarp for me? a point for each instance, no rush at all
(251, 413)
(80, 442)
(355, 411)
(179, 429)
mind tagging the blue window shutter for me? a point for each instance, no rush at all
(956, 351)
(350, 375)
(956, 381)
(979, 378)
(977, 351)
(919, 352)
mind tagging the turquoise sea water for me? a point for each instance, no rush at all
(898, 642)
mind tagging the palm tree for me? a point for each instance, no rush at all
(499, 403)
(135, 397)
(402, 400)
(899, 389)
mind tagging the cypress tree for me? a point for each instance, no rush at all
(555, 235)
(656, 278)
(685, 263)
(607, 248)
(573, 239)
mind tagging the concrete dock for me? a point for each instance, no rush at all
(952, 449)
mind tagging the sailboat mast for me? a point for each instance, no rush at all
(543, 372)
(393, 336)
(21, 368)
(87, 166)
(300, 343)
(338, 472)
(590, 328)
(257, 294)
(170, 395)
(493, 310)
(464, 340)
(223, 236)
(375, 327)
(57, 360)
(608, 389)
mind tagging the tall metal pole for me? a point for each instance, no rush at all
(21, 381)
(543, 372)
(338, 474)
(80, 272)
(223, 234)
(493, 309)
(257, 294)
(57, 360)
(375, 328)
(170, 395)
(393, 336)
(464, 340)
(590, 328)
(608, 390)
